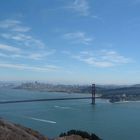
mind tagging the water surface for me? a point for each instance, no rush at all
(119, 121)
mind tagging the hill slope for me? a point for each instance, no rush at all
(10, 131)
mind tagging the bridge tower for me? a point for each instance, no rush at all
(93, 94)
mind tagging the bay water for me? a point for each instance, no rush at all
(118, 121)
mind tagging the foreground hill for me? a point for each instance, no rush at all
(10, 131)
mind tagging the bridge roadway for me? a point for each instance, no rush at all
(42, 100)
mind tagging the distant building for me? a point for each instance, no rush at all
(124, 97)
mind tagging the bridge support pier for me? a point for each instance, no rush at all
(93, 94)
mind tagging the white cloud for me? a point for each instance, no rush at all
(26, 47)
(24, 55)
(94, 61)
(97, 18)
(20, 29)
(13, 25)
(78, 37)
(102, 58)
(14, 30)
(80, 6)
(35, 56)
(27, 40)
(27, 67)
(9, 48)
(40, 56)
(17, 37)
(8, 23)
(114, 57)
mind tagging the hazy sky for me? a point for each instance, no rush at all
(70, 41)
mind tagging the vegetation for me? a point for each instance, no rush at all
(131, 93)
(83, 134)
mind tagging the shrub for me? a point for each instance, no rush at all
(83, 134)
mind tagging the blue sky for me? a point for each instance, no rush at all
(70, 41)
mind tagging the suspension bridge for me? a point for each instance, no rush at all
(93, 97)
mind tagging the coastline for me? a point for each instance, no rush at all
(121, 102)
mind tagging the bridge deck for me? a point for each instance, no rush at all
(42, 100)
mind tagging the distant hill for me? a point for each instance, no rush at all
(119, 91)
(55, 88)
(100, 89)
(131, 93)
(112, 92)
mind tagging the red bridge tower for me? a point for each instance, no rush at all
(93, 94)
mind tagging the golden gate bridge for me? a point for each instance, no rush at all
(93, 97)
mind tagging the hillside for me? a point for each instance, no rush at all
(10, 131)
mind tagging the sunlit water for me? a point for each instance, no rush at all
(120, 121)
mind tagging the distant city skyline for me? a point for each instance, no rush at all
(74, 41)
